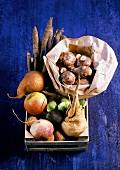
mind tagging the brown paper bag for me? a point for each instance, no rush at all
(104, 63)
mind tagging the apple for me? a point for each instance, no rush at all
(35, 103)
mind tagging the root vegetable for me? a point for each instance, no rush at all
(68, 78)
(46, 44)
(49, 44)
(69, 59)
(59, 136)
(33, 81)
(83, 71)
(35, 37)
(75, 122)
(51, 138)
(58, 36)
(42, 129)
(31, 120)
(83, 60)
(48, 33)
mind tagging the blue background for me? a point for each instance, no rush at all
(78, 18)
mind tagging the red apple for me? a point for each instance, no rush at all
(35, 103)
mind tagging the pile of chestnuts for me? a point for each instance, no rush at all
(72, 65)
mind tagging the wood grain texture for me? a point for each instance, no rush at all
(78, 18)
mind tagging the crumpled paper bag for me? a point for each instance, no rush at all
(104, 63)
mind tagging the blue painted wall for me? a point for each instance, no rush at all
(78, 18)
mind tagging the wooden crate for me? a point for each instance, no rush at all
(80, 144)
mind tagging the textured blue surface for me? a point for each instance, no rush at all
(78, 18)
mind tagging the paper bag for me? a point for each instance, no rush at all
(104, 63)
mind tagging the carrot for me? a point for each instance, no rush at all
(35, 46)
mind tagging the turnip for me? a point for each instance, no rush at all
(42, 129)
(33, 81)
